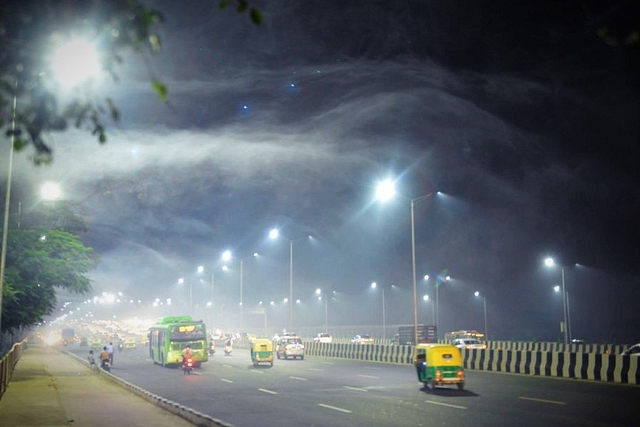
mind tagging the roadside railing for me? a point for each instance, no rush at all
(8, 363)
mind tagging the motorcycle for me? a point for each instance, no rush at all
(212, 349)
(120, 347)
(228, 349)
(106, 365)
(187, 365)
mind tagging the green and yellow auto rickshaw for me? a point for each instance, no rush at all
(439, 365)
(262, 351)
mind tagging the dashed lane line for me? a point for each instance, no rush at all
(264, 390)
(298, 378)
(316, 369)
(354, 388)
(446, 404)
(554, 402)
(368, 376)
(335, 408)
(226, 381)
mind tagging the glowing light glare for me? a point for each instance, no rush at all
(200, 269)
(74, 62)
(556, 288)
(549, 262)
(226, 255)
(51, 339)
(50, 191)
(476, 293)
(386, 190)
(273, 234)
(374, 285)
(425, 298)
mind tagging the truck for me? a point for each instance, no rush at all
(406, 334)
(68, 335)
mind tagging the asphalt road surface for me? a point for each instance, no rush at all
(321, 391)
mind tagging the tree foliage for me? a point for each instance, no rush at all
(29, 29)
(39, 261)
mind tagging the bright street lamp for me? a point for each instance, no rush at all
(484, 302)
(385, 191)
(83, 61)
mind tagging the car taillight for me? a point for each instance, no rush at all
(460, 373)
(438, 374)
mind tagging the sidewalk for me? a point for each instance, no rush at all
(50, 388)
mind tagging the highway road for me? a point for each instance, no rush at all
(321, 391)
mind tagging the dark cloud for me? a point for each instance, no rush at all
(527, 121)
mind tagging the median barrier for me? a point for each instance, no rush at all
(607, 367)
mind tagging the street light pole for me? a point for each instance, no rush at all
(290, 285)
(564, 308)
(384, 317)
(484, 303)
(415, 290)
(385, 191)
(5, 225)
(549, 262)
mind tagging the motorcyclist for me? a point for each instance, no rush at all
(186, 356)
(105, 359)
(212, 348)
(186, 353)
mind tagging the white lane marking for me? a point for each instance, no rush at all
(226, 381)
(267, 391)
(335, 408)
(555, 402)
(368, 376)
(298, 378)
(354, 388)
(316, 369)
(256, 372)
(446, 404)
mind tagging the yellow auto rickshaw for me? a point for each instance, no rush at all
(262, 351)
(439, 365)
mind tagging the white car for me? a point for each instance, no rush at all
(634, 350)
(290, 347)
(362, 339)
(468, 343)
(324, 338)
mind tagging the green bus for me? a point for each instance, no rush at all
(171, 335)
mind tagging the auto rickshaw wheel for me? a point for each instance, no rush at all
(460, 386)
(272, 363)
(430, 386)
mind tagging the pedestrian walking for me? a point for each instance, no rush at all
(110, 351)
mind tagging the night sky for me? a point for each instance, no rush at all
(520, 114)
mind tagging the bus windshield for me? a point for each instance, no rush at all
(187, 333)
